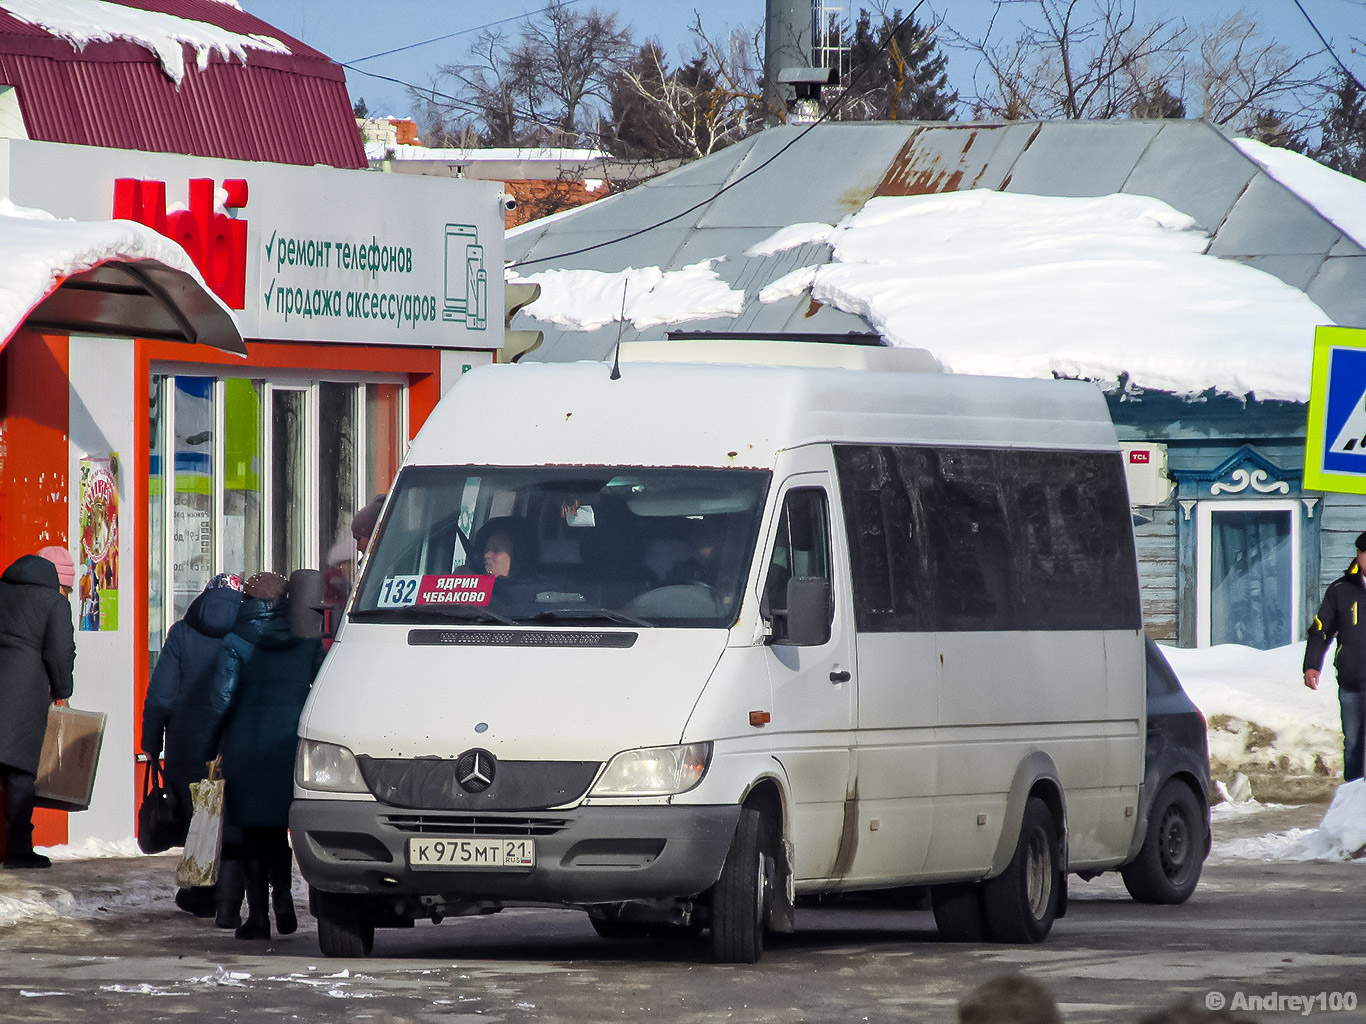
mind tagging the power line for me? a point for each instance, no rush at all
(848, 90)
(452, 35)
(1329, 47)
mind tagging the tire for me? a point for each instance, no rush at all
(343, 929)
(1021, 903)
(739, 899)
(1167, 868)
(958, 912)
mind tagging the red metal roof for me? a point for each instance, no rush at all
(286, 108)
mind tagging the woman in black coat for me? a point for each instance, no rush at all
(37, 656)
(264, 675)
(176, 714)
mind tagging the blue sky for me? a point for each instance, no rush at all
(350, 29)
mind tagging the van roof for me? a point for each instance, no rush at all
(694, 414)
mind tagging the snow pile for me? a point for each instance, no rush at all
(40, 250)
(81, 22)
(1341, 834)
(1339, 197)
(93, 849)
(1259, 711)
(1037, 286)
(584, 300)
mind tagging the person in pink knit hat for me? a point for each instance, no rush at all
(66, 569)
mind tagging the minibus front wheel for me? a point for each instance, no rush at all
(740, 898)
(344, 926)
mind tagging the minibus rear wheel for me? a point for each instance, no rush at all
(1021, 903)
(740, 897)
(343, 926)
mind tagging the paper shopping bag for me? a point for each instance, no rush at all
(71, 751)
(204, 843)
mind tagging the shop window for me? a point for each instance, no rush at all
(289, 484)
(192, 509)
(157, 493)
(243, 481)
(338, 468)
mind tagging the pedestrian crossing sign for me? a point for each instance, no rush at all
(1335, 445)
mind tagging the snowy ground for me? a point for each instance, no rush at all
(1260, 716)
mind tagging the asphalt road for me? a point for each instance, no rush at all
(1252, 931)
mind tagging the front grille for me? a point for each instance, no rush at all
(473, 825)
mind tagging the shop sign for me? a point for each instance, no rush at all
(325, 255)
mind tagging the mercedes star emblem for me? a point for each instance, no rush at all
(475, 770)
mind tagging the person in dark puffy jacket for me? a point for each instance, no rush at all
(175, 718)
(263, 678)
(1342, 615)
(37, 657)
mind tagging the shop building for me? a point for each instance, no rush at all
(360, 296)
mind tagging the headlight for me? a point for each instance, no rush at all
(654, 771)
(328, 767)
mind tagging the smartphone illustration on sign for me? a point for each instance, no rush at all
(466, 278)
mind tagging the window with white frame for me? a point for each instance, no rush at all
(1248, 572)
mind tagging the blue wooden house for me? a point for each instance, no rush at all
(1232, 548)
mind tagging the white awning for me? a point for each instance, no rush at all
(104, 277)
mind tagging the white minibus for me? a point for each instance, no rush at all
(685, 644)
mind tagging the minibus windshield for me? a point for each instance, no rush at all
(564, 546)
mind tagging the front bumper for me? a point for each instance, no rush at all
(586, 855)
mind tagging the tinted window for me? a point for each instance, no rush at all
(988, 539)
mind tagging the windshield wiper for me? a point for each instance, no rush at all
(587, 614)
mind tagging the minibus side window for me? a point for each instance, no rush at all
(801, 549)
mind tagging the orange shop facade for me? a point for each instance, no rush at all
(159, 462)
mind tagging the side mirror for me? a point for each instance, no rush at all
(306, 604)
(808, 611)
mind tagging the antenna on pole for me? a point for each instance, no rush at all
(621, 324)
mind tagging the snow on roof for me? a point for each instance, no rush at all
(378, 151)
(648, 297)
(82, 22)
(1338, 197)
(1017, 285)
(40, 250)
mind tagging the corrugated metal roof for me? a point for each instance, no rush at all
(835, 169)
(285, 108)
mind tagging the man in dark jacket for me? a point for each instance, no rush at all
(1343, 615)
(263, 678)
(37, 656)
(176, 712)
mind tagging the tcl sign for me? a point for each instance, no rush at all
(215, 242)
(1140, 457)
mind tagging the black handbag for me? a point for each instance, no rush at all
(161, 821)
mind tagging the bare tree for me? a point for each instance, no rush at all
(567, 59)
(1241, 78)
(713, 100)
(1075, 59)
(543, 88)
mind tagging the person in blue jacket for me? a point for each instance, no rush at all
(263, 678)
(175, 719)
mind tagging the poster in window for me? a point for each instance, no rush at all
(98, 586)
